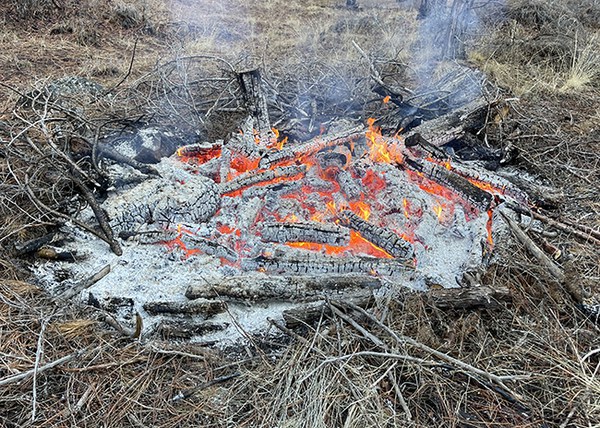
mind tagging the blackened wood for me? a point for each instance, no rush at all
(206, 308)
(33, 245)
(252, 178)
(452, 125)
(251, 82)
(472, 194)
(481, 297)
(283, 288)
(318, 264)
(380, 236)
(188, 328)
(309, 231)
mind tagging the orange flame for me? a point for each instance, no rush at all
(488, 227)
(385, 150)
(387, 99)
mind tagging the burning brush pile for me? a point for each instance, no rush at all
(222, 238)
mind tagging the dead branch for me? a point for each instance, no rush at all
(533, 249)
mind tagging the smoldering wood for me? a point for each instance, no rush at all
(316, 264)
(203, 150)
(273, 191)
(252, 178)
(480, 297)
(348, 185)
(294, 151)
(148, 237)
(282, 288)
(187, 328)
(382, 237)
(477, 197)
(311, 312)
(506, 187)
(208, 247)
(452, 125)
(309, 231)
(251, 83)
(196, 201)
(201, 307)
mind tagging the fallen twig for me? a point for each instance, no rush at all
(37, 370)
(533, 249)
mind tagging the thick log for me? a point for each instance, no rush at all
(203, 307)
(253, 178)
(283, 288)
(251, 83)
(382, 237)
(481, 297)
(294, 151)
(472, 194)
(450, 126)
(317, 264)
(309, 231)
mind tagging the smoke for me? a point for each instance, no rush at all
(445, 28)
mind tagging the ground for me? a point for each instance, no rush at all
(543, 58)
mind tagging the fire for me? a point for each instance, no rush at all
(373, 182)
(177, 242)
(438, 210)
(488, 227)
(362, 209)
(405, 207)
(385, 150)
(387, 99)
(275, 142)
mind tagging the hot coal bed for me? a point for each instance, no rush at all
(229, 235)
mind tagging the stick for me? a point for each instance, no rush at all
(100, 216)
(85, 284)
(78, 223)
(35, 371)
(533, 249)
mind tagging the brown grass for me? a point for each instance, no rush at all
(331, 374)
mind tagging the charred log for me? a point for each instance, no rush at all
(291, 152)
(251, 179)
(319, 264)
(472, 194)
(382, 237)
(251, 83)
(186, 329)
(285, 288)
(320, 233)
(308, 313)
(202, 307)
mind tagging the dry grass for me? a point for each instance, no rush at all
(331, 375)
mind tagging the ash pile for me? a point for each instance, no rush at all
(223, 239)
